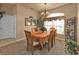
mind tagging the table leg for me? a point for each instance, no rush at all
(41, 43)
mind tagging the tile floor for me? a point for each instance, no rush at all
(19, 48)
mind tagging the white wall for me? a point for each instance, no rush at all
(8, 27)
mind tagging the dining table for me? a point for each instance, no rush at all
(41, 36)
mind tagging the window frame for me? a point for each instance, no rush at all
(56, 26)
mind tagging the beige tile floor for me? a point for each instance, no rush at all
(19, 48)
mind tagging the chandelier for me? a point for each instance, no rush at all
(44, 13)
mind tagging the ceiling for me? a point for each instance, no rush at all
(40, 6)
(37, 6)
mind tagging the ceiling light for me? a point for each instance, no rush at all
(44, 13)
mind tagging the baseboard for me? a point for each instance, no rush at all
(16, 40)
(58, 38)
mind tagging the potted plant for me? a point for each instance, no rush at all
(43, 29)
(71, 46)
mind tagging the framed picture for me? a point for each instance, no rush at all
(34, 22)
(27, 22)
(30, 21)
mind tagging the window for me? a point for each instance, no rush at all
(58, 24)
(48, 24)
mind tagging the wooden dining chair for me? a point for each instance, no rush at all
(34, 29)
(53, 37)
(50, 38)
(30, 42)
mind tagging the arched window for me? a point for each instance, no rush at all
(55, 14)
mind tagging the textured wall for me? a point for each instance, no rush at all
(69, 10)
(10, 9)
(78, 23)
(23, 12)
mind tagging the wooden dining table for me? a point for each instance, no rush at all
(41, 36)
